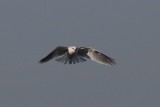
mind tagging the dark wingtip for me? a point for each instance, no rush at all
(112, 61)
(41, 61)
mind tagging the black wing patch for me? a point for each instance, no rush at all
(82, 52)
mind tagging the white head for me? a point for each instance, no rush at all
(71, 49)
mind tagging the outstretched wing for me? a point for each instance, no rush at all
(55, 53)
(95, 55)
(100, 57)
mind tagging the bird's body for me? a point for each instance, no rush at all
(75, 55)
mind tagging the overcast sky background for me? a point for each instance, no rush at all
(127, 30)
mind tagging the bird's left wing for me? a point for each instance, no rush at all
(95, 55)
(55, 53)
(100, 57)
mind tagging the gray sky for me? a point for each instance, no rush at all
(127, 30)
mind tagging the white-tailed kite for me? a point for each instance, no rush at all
(75, 55)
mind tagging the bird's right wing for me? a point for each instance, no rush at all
(55, 53)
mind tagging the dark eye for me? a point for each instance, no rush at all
(96, 51)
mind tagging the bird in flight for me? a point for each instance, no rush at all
(73, 55)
